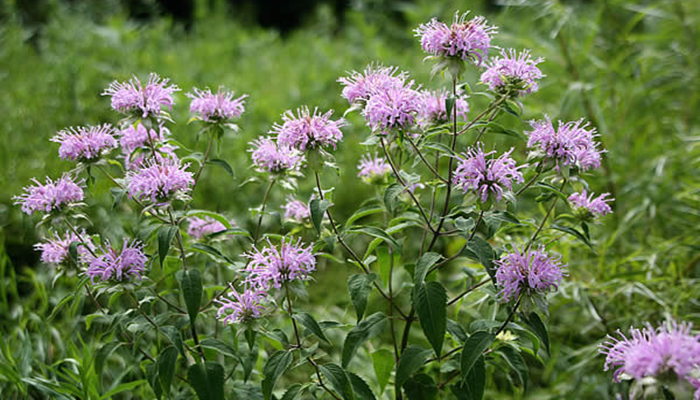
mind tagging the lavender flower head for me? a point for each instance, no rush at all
(217, 107)
(374, 79)
(373, 169)
(585, 203)
(650, 352)
(513, 72)
(85, 143)
(571, 144)
(465, 40)
(272, 266)
(201, 227)
(529, 271)
(306, 131)
(159, 180)
(144, 100)
(54, 250)
(51, 195)
(270, 157)
(485, 175)
(132, 138)
(117, 266)
(433, 109)
(242, 307)
(295, 210)
(395, 107)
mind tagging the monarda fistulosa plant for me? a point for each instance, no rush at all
(203, 322)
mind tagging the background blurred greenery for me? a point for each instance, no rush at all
(631, 67)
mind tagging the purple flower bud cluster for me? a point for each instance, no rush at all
(374, 79)
(513, 72)
(485, 175)
(269, 156)
(308, 131)
(242, 307)
(159, 181)
(372, 168)
(274, 265)
(85, 143)
(650, 352)
(531, 270)
(597, 207)
(117, 265)
(464, 39)
(571, 144)
(295, 210)
(131, 139)
(54, 250)
(51, 195)
(216, 107)
(433, 108)
(144, 100)
(201, 227)
(394, 108)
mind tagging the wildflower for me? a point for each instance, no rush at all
(296, 210)
(586, 204)
(54, 250)
(273, 266)
(132, 138)
(513, 73)
(268, 156)
(133, 97)
(650, 352)
(530, 271)
(373, 169)
(242, 307)
(465, 40)
(216, 107)
(571, 144)
(117, 266)
(415, 186)
(374, 79)
(51, 195)
(432, 109)
(485, 175)
(159, 180)
(396, 107)
(306, 131)
(85, 143)
(201, 227)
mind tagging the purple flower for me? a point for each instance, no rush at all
(650, 352)
(118, 266)
(597, 207)
(395, 107)
(296, 210)
(374, 79)
(485, 175)
(305, 131)
(201, 227)
(571, 144)
(529, 271)
(51, 195)
(54, 250)
(373, 169)
(433, 109)
(269, 157)
(242, 307)
(273, 266)
(159, 180)
(132, 138)
(85, 143)
(216, 107)
(466, 40)
(133, 97)
(512, 72)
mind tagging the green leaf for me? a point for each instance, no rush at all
(191, 285)
(273, 369)
(383, 362)
(421, 387)
(575, 233)
(338, 379)
(310, 323)
(363, 212)
(362, 332)
(293, 392)
(497, 128)
(473, 348)
(318, 207)
(204, 213)
(223, 164)
(124, 387)
(412, 359)
(377, 233)
(442, 148)
(391, 195)
(166, 233)
(538, 327)
(361, 388)
(449, 106)
(219, 346)
(472, 388)
(481, 250)
(205, 248)
(103, 354)
(431, 305)
(73, 251)
(359, 287)
(516, 362)
(423, 265)
(167, 361)
(173, 334)
(207, 380)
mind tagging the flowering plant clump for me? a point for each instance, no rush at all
(307, 131)
(51, 196)
(463, 39)
(159, 180)
(528, 271)
(242, 307)
(487, 176)
(270, 157)
(144, 100)
(513, 73)
(55, 250)
(273, 266)
(215, 107)
(111, 264)
(374, 79)
(85, 143)
(586, 205)
(571, 144)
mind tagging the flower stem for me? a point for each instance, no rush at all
(262, 212)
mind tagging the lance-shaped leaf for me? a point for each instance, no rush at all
(362, 332)
(473, 348)
(273, 369)
(359, 287)
(191, 285)
(431, 305)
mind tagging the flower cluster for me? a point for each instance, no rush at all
(585, 202)
(464, 39)
(486, 176)
(433, 109)
(374, 79)
(118, 266)
(201, 227)
(242, 307)
(529, 270)
(55, 250)
(650, 352)
(307, 131)
(571, 144)
(268, 156)
(131, 139)
(144, 100)
(85, 143)
(513, 73)
(159, 180)
(217, 107)
(373, 169)
(395, 107)
(296, 210)
(51, 195)
(272, 266)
